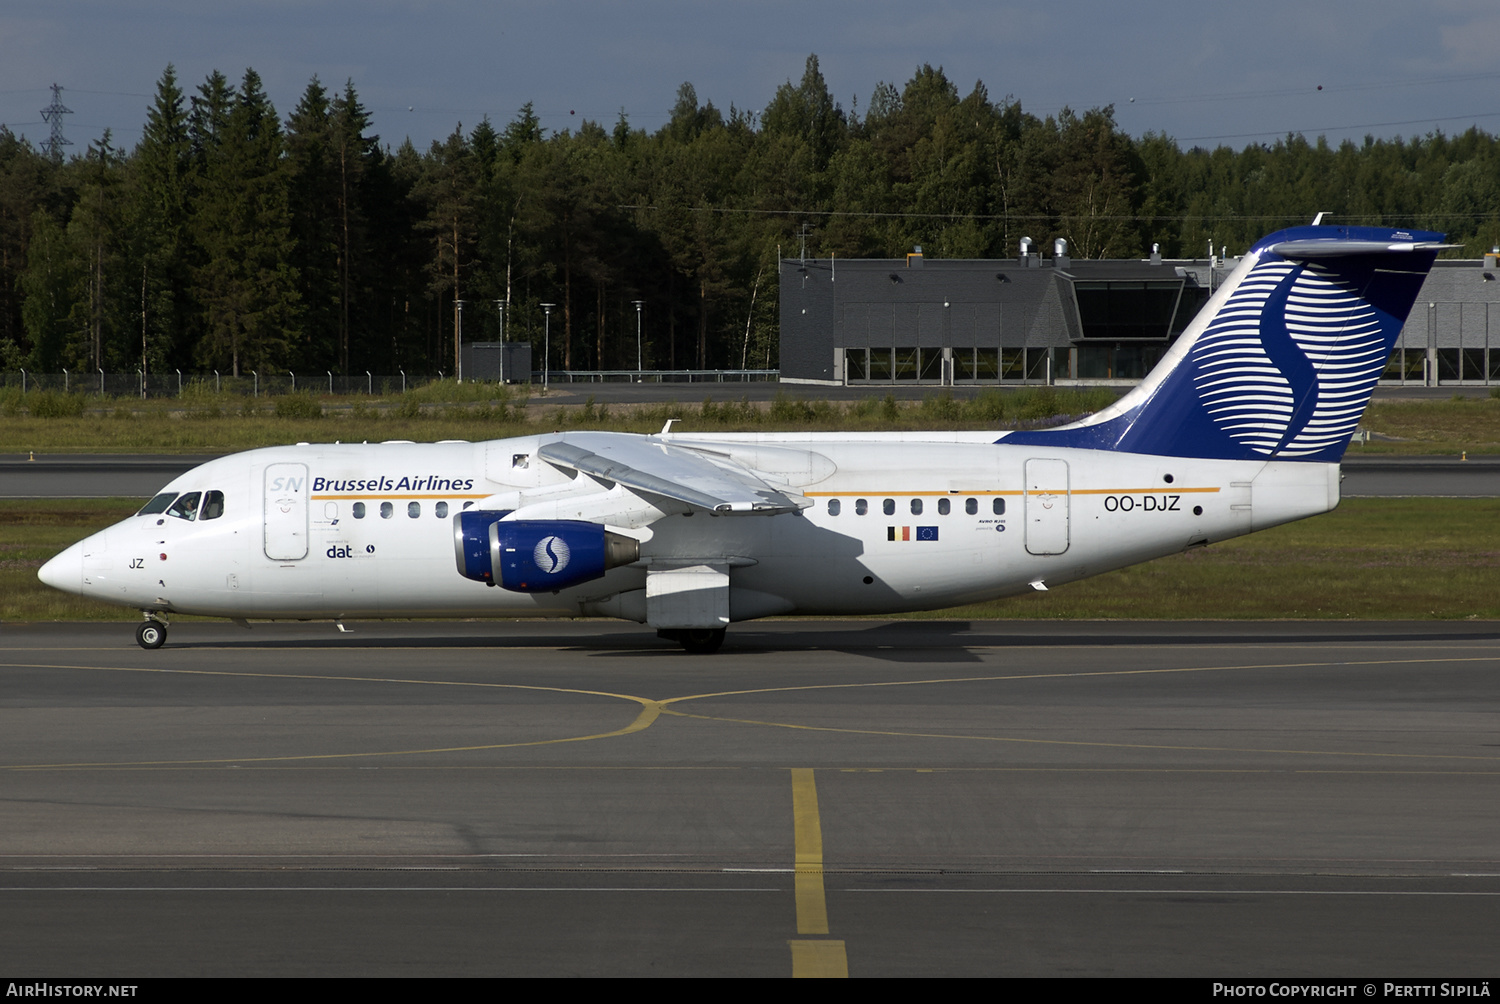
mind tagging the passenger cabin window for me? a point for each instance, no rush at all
(213, 506)
(888, 507)
(944, 506)
(413, 509)
(916, 507)
(998, 505)
(359, 510)
(833, 507)
(186, 507)
(440, 510)
(861, 506)
(386, 510)
(971, 506)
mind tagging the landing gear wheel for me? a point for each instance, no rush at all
(151, 634)
(701, 642)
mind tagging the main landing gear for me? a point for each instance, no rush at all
(698, 641)
(151, 633)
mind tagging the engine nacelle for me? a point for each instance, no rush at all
(537, 556)
(471, 543)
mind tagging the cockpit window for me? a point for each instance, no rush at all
(186, 507)
(213, 505)
(158, 504)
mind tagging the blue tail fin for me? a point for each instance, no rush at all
(1281, 362)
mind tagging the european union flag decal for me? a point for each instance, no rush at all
(927, 533)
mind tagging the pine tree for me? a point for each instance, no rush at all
(160, 250)
(246, 281)
(27, 184)
(447, 189)
(313, 187)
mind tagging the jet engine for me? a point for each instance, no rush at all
(536, 556)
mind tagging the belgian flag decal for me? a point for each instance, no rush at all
(911, 533)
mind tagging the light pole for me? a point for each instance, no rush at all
(546, 342)
(638, 305)
(458, 338)
(500, 308)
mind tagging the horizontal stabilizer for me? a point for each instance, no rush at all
(1317, 247)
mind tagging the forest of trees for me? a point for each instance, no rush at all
(232, 239)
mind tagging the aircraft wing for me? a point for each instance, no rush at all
(650, 464)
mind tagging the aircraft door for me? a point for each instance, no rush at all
(286, 512)
(1047, 503)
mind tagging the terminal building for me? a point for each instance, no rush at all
(1033, 319)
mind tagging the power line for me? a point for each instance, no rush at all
(1328, 129)
(1309, 89)
(1021, 217)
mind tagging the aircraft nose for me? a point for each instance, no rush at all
(65, 571)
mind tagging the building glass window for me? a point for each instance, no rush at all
(1013, 363)
(1120, 309)
(931, 364)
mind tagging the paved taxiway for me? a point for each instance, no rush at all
(908, 798)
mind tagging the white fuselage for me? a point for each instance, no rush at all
(906, 521)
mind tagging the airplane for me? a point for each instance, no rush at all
(1240, 427)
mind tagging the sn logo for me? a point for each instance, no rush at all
(340, 551)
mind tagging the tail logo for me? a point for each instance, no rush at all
(551, 555)
(1287, 366)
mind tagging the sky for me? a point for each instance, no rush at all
(1202, 73)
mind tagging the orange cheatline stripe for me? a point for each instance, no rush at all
(326, 498)
(1168, 490)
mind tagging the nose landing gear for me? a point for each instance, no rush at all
(151, 633)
